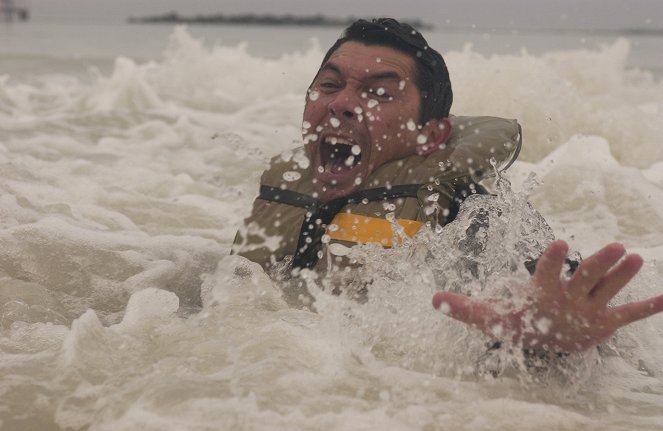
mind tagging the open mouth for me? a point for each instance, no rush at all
(339, 155)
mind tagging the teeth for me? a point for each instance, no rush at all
(340, 158)
(336, 140)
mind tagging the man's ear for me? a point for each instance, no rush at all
(437, 132)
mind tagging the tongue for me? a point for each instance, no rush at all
(338, 164)
(339, 158)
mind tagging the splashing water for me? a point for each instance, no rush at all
(481, 253)
(120, 308)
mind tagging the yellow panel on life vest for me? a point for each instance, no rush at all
(362, 229)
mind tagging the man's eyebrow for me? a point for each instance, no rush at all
(331, 67)
(385, 75)
(378, 76)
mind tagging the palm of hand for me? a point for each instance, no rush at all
(561, 315)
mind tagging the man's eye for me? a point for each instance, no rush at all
(380, 92)
(328, 85)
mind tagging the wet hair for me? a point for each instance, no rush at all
(432, 76)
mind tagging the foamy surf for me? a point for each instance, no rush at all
(120, 308)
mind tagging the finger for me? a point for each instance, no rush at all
(634, 311)
(465, 309)
(616, 279)
(591, 270)
(549, 266)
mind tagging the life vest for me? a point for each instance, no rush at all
(286, 220)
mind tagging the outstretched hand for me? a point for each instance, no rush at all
(561, 315)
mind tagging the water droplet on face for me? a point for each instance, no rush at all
(358, 110)
(356, 150)
(401, 85)
(306, 125)
(357, 181)
(421, 139)
(310, 138)
(313, 95)
(411, 126)
(380, 91)
(378, 60)
(372, 103)
(321, 169)
(335, 122)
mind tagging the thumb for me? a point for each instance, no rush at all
(465, 309)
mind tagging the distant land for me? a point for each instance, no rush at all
(9, 10)
(288, 20)
(262, 19)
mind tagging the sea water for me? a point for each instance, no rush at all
(125, 171)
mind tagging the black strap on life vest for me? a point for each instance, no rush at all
(288, 197)
(320, 215)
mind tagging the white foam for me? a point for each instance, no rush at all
(120, 194)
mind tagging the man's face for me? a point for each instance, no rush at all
(361, 112)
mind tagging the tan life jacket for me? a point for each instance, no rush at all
(287, 221)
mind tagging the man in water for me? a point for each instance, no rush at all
(379, 142)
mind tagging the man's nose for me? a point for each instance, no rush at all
(345, 104)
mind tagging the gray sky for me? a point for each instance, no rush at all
(461, 13)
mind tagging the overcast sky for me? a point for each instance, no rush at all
(461, 13)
